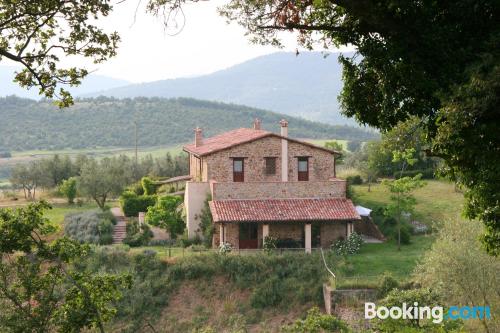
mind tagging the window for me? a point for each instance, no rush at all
(270, 165)
(303, 169)
(238, 170)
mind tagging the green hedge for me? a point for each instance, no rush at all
(132, 203)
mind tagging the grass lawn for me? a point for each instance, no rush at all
(374, 260)
(435, 202)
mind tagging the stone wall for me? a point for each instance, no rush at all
(332, 231)
(264, 190)
(287, 230)
(220, 168)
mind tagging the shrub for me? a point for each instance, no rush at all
(405, 234)
(268, 294)
(270, 243)
(386, 285)
(288, 243)
(166, 214)
(132, 204)
(137, 235)
(94, 227)
(68, 189)
(351, 245)
(426, 173)
(206, 222)
(316, 322)
(148, 186)
(354, 180)
(225, 248)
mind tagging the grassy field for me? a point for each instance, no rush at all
(374, 260)
(58, 211)
(321, 142)
(435, 202)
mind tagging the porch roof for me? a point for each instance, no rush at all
(283, 210)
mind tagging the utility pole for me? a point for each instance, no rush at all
(136, 168)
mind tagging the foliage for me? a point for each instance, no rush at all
(225, 248)
(351, 245)
(386, 285)
(36, 34)
(451, 85)
(338, 147)
(108, 122)
(206, 222)
(101, 179)
(148, 186)
(461, 271)
(137, 235)
(28, 177)
(93, 226)
(424, 297)
(270, 243)
(354, 145)
(354, 180)
(68, 189)
(40, 289)
(316, 322)
(402, 200)
(132, 204)
(167, 214)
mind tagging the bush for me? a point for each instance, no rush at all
(137, 235)
(288, 243)
(351, 245)
(270, 243)
(167, 214)
(132, 203)
(148, 186)
(316, 322)
(405, 234)
(354, 180)
(386, 285)
(94, 227)
(68, 189)
(225, 248)
(5, 154)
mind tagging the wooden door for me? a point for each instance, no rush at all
(248, 235)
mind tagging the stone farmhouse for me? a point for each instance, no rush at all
(261, 183)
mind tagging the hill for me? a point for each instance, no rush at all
(109, 122)
(306, 86)
(91, 83)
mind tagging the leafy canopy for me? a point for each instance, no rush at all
(35, 34)
(40, 289)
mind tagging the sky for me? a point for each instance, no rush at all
(147, 53)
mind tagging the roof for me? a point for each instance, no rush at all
(236, 137)
(283, 210)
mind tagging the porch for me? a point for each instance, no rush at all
(305, 235)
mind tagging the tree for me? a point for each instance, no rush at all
(435, 60)
(68, 189)
(458, 268)
(99, 180)
(402, 199)
(337, 146)
(56, 169)
(167, 214)
(35, 34)
(29, 177)
(40, 288)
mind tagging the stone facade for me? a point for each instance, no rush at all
(278, 190)
(332, 231)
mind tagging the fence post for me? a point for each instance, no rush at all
(170, 252)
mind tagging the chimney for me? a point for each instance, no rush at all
(198, 137)
(284, 127)
(256, 124)
(284, 150)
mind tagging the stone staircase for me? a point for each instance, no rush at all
(120, 229)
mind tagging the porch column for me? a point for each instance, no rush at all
(350, 228)
(222, 234)
(265, 231)
(307, 232)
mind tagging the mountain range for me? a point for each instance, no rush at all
(304, 85)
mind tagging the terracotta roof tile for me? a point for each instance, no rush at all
(226, 140)
(284, 210)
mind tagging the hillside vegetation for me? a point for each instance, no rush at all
(109, 122)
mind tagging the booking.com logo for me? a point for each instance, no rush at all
(435, 313)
